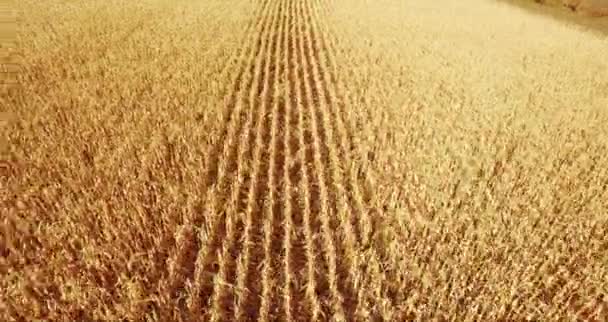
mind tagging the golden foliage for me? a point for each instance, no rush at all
(304, 160)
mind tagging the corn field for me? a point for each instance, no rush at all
(312, 160)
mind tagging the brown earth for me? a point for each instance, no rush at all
(593, 8)
(565, 12)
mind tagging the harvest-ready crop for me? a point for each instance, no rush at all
(186, 160)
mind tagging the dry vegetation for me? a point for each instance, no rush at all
(304, 160)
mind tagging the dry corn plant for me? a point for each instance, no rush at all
(304, 161)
